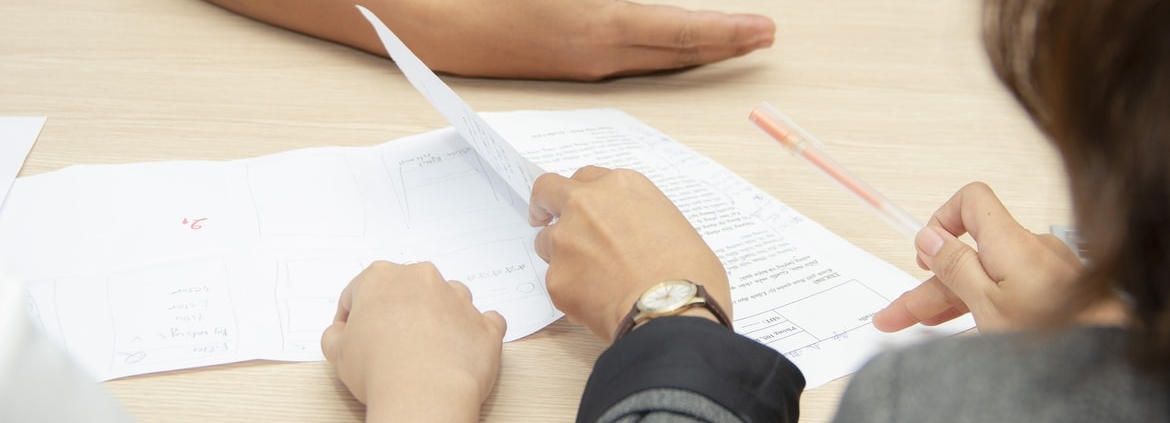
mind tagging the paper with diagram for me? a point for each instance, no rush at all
(158, 266)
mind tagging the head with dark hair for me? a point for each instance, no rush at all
(1095, 77)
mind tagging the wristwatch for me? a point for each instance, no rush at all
(668, 299)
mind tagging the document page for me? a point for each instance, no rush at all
(149, 267)
(158, 266)
(791, 286)
(796, 286)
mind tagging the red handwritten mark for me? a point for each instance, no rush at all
(193, 223)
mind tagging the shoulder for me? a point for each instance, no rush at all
(1032, 376)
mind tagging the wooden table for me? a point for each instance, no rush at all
(899, 90)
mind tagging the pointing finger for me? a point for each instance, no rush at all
(920, 304)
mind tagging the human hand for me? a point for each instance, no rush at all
(1016, 279)
(615, 236)
(411, 346)
(538, 39)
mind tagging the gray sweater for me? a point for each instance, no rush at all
(1074, 375)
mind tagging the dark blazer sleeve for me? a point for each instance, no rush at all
(691, 360)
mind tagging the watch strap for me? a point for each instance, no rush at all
(629, 322)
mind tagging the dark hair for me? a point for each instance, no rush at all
(1095, 77)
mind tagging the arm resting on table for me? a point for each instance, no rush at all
(691, 368)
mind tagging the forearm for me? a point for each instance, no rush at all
(683, 366)
(333, 20)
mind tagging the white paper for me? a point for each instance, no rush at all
(158, 266)
(796, 286)
(17, 136)
(501, 156)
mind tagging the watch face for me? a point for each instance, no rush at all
(667, 296)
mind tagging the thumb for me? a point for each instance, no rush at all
(955, 263)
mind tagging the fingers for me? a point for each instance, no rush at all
(955, 264)
(544, 244)
(960, 280)
(929, 300)
(549, 193)
(975, 209)
(461, 290)
(948, 315)
(344, 303)
(331, 341)
(496, 324)
(668, 37)
(663, 26)
(590, 173)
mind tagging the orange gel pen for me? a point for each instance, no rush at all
(803, 145)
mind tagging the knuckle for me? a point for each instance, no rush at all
(950, 297)
(686, 40)
(951, 262)
(381, 266)
(979, 187)
(557, 239)
(556, 290)
(687, 57)
(629, 178)
(460, 288)
(424, 267)
(588, 170)
(576, 200)
(687, 35)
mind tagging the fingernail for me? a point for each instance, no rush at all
(929, 241)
